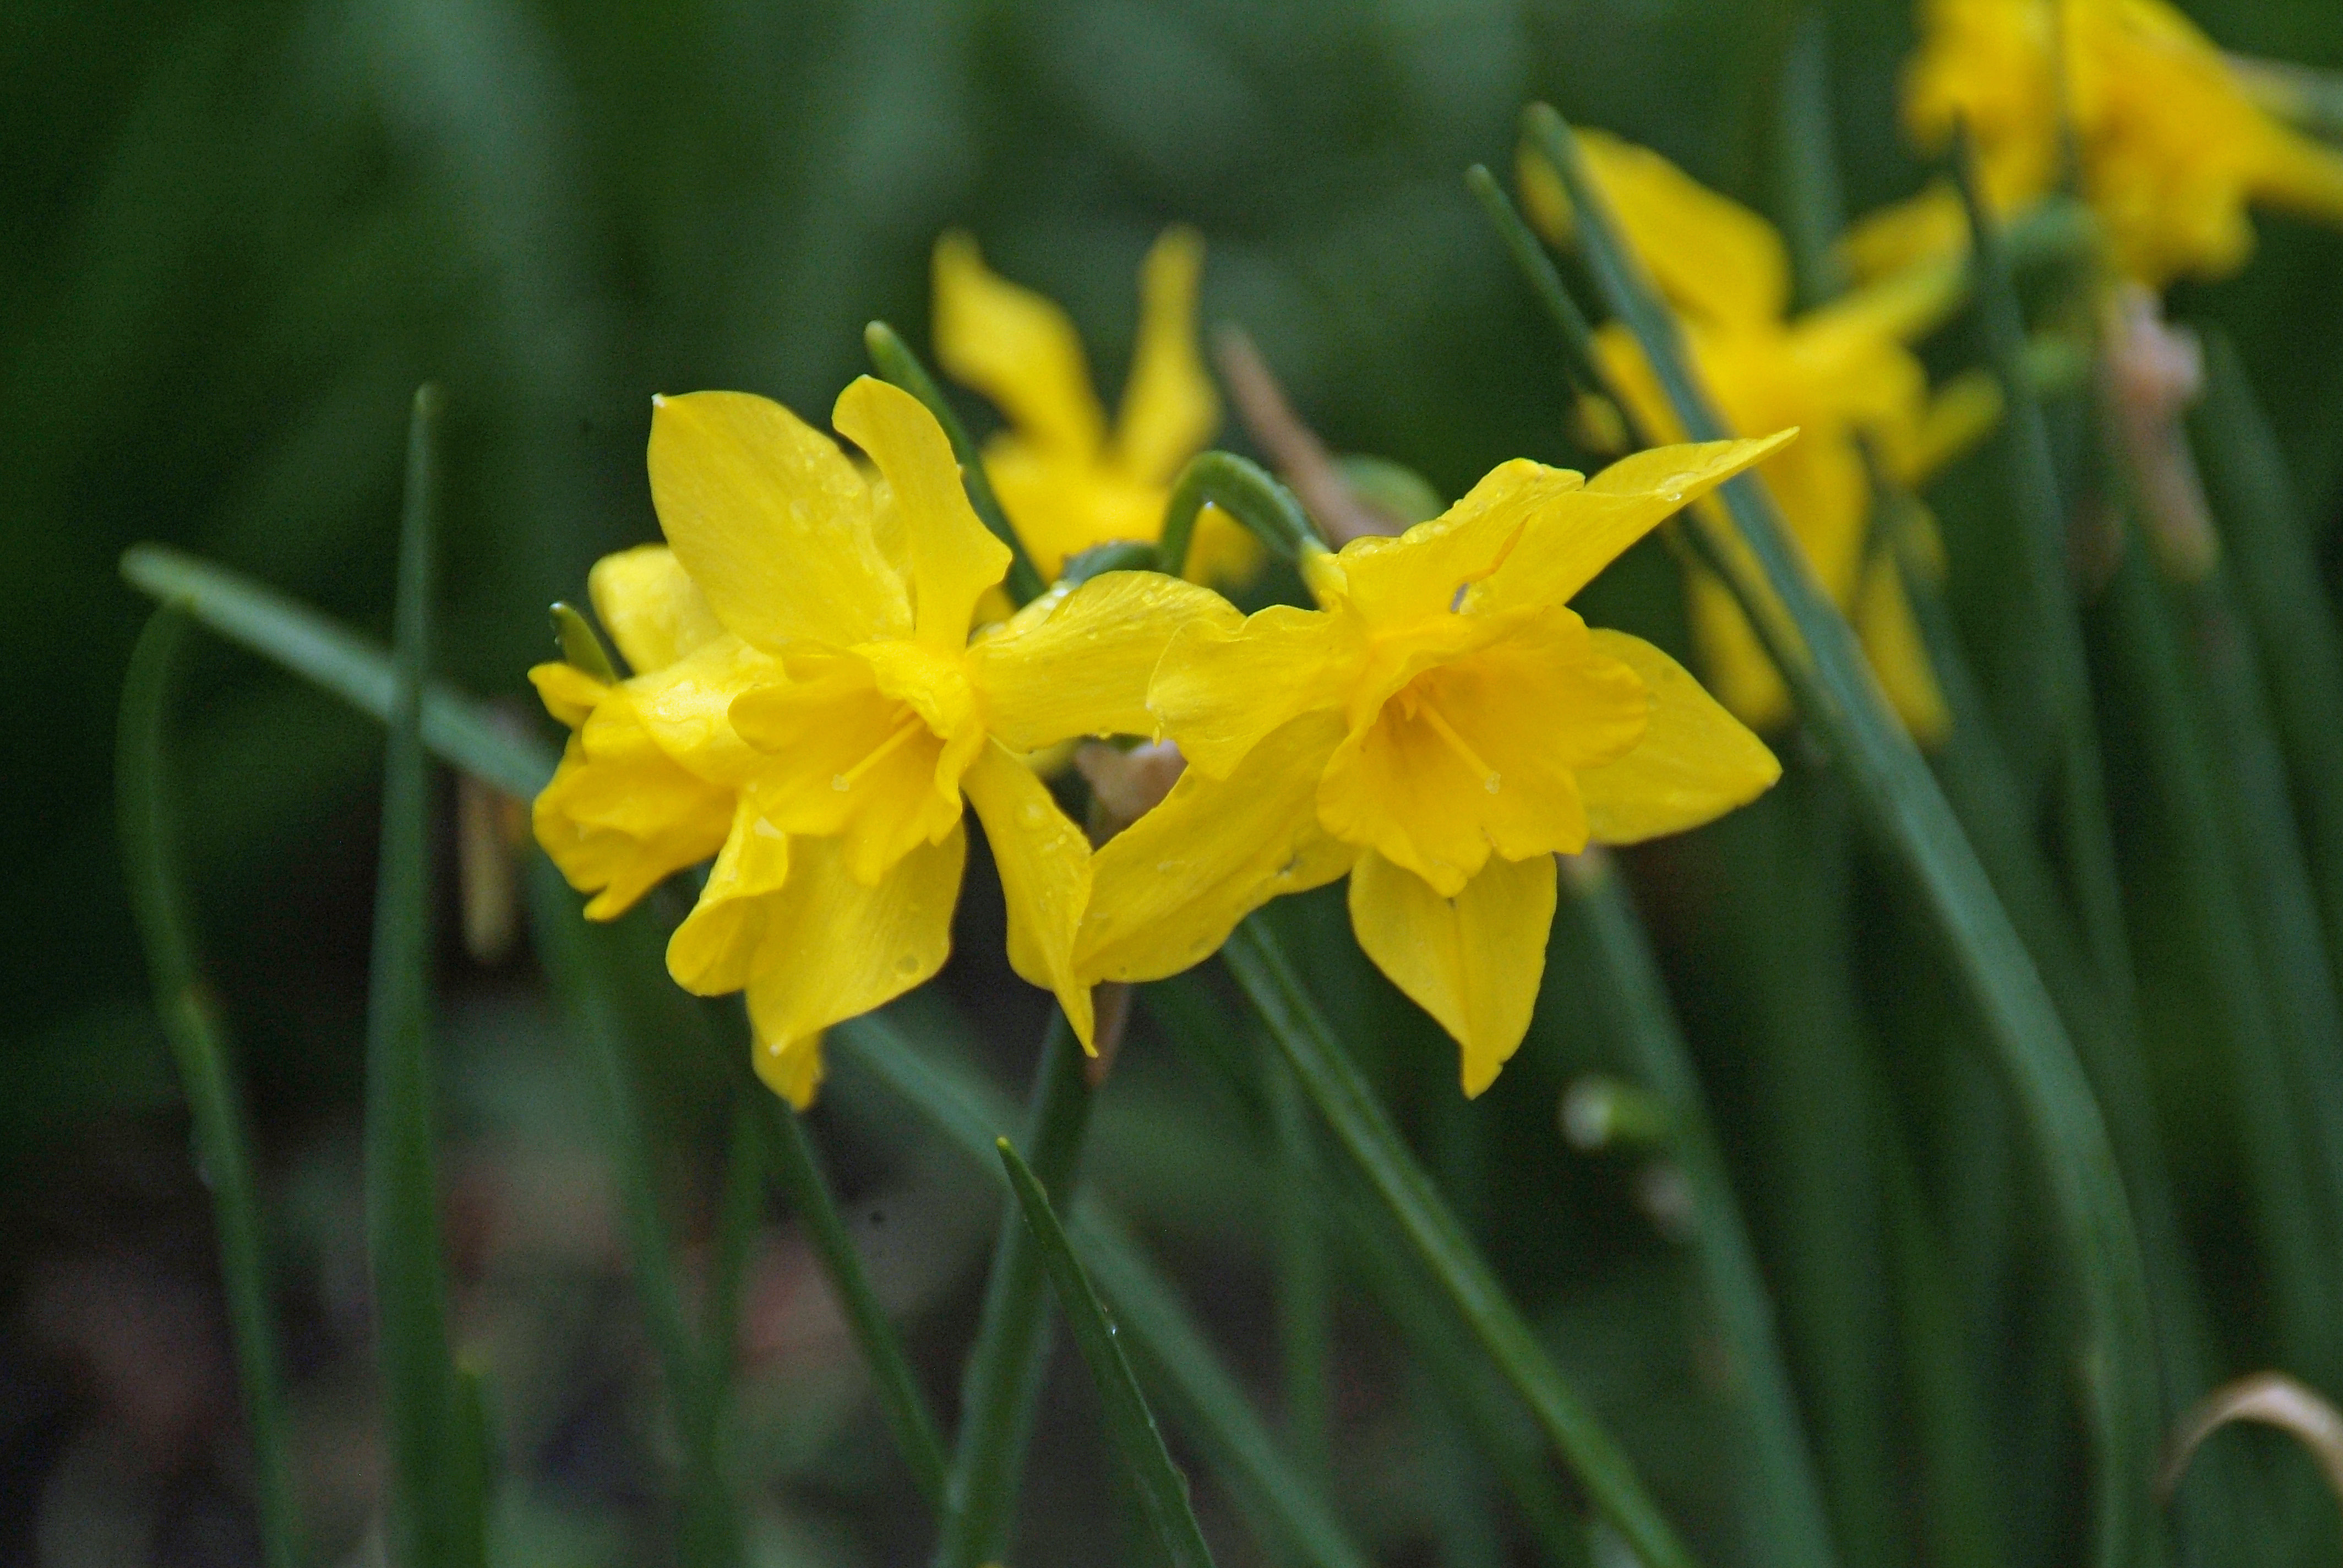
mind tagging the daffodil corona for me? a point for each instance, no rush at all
(2171, 145)
(1439, 727)
(1841, 373)
(831, 709)
(1066, 481)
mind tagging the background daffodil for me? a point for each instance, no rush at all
(1841, 373)
(867, 719)
(1440, 728)
(1066, 481)
(2172, 146)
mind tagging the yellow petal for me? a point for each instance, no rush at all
(686, 707)
(1472, 962)
(715, 950)
(568, 693)
(1694, 762)
(1891, 641)
(1921, 230)
(771, 522)
(1017, 349)
(1045, 876)
(1079, 663)
(1481, 754)
(847, 760)
(1220, 690)
(1222, 551)
(1709, 255)
(834, 949)
(1566, 543)
(953, 557)
(1166, 891)
(619, 822)
(1062, 505)
(1732, 658)
(1416, 575)
(1169, 408)
(651, 607)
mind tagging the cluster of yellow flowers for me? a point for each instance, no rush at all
(2170, 140)
(818, 695)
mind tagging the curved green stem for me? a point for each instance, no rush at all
(1246, 492)
(199, 1048)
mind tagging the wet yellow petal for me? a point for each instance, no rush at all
(1016, 347)
(849, 760)
(1222, 551)
(834, 949)
(715, 950)
(1472, 961)
(686, 707)
(1079, 663)
(1045, 876)
(1218, 690)
(619, 816)
(1481, 754)
(771, 522)
(1166, 891)
(1567, 542)
(568, 692)
(1169, 408)
(651, 607)
(953, 557)
(1417, 576)
(1693, 763)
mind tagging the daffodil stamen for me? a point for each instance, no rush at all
(1412, 706)
(911, 724)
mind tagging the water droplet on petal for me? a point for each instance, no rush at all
(1489, 783)
(838, 782)
(908, 964)
(1033, 814)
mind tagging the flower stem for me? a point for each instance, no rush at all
(200, 1049)
(1343, 1096)
(1246, 492)
(1002, 1380)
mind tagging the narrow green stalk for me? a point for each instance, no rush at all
(199, 1047)
(900, 1402)
(1788, 1522)
(1244, 490)
(1202, 1397)
(353, 668)
(2277, 582)
(1162, 1489)
(740, 1211)
(2042, 525)
(895, 362)
(1537, 269)
(1001, 1382)
(1813, 203)
(581, 959)
(410, 1287)
(1817, 655)
(1343, 1096)
(2289, 1213)
(1302, 1271)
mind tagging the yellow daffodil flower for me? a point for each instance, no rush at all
(1066, 483)
(1440, 728)
(2172, 146)
(1841, 373)
(852, 718)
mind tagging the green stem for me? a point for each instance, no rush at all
(1002, 1380)
(741, 1211)
(1246, 492)
(199, 1047)
(1813, 203)
(1334, 1083)
(1789, 1522)
(904, 1408)
(895, 362)
(1163, 1490)
(2042, 527)
(1840, 698)
(1302, 1271)
(410, 1288)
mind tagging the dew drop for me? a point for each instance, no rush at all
(838, 781)
(908, 964)
(1489, 783)
(1033, 814)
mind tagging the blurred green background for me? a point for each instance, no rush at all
(236, 237)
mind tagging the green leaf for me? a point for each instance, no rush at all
(199, 1047)
(1245, 491)
(459, 729)
(1163, 1490)
(428, 1527)
(1817, 655)
(1365, 1132)
(581, 644)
